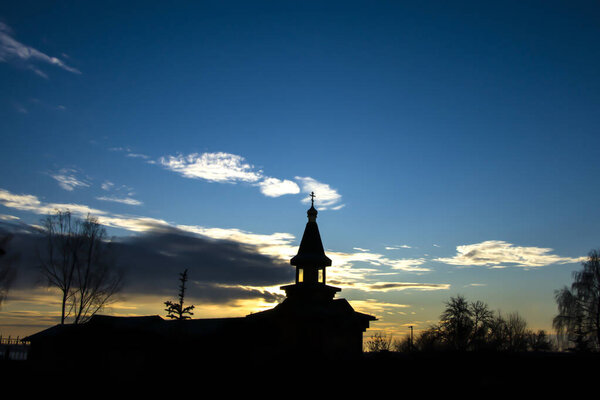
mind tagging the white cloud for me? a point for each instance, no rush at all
(138, 155)
(123, 200)
(213, 167)
(494, 253)
(231, 168)
(325, 196)
(273, 187)
(397, 247)
(107, 185)
(68, 180)
(12, 50)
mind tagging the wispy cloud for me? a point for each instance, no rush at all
(273, 187)
(379, 308)
(11, 50)
(360, 249)
(326, 196)
(138, 155)
(500, 254)
(398, 247)
(122, 200)
(107, 185)
(120, 194)
(389, 286)
(376, 259)
(212, 167)
(68, 180)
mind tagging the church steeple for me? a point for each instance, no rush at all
(311, 261)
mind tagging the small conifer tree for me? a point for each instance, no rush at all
(177, 310)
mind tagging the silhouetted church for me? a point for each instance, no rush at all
(308, 323)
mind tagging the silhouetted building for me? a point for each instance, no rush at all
(309, 323)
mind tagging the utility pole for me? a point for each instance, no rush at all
(411, 337)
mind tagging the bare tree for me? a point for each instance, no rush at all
(578, 319)
(496, 336)
(457, 322)
(481, 316)
(7, 267)
(97, 280)
(177, 310)
(516, 332)
(77, 262)
(379, 342)
(59, 260)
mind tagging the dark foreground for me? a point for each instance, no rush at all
(470, 374)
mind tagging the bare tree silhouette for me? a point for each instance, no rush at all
(177, 310)
(7, 266)
(379, 342)
(578, 319)
(97, 279)
(457, 322)
(77, 261)
(515, 333)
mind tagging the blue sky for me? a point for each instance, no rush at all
(451, 146)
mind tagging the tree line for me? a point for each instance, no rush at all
(473, 326)
(468, 326)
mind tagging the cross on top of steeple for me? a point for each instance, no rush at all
(312, 199)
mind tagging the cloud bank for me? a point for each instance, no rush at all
(279, 246)
(220, 271)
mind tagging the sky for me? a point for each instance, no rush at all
(451, 146)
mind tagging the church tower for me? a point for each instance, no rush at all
(311, 265)
(310, 321)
